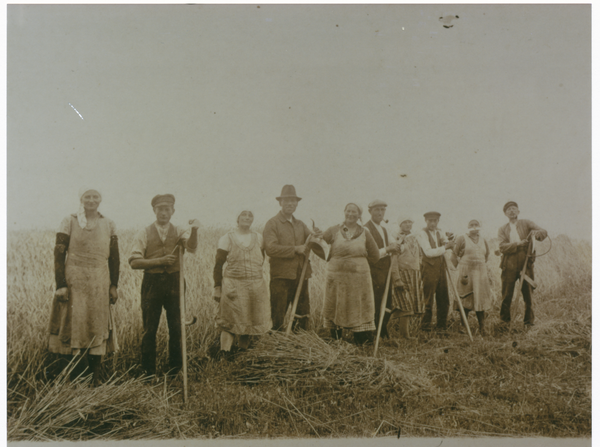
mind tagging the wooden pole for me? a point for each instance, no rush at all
(288, 330)
(460, 306)
(382, 309)
(183, 325)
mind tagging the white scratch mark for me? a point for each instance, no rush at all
(76, 111)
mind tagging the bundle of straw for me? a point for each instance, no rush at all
(306, 357)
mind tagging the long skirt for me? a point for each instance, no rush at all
(349, 301)
(86, 320)
(411, 300)
(245, 308)
(473, 286)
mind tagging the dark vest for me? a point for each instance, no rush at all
(156, 248)
(437, 261)
(383, 263)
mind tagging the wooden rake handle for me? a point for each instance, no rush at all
(382, 309)
(288, 330)
(460, 306)
(183, 326)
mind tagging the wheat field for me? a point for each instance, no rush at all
(525, 383)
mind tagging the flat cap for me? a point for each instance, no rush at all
(377, 202)
(508, 204)
(163, 198)
(432, 214)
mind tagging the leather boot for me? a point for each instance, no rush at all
(481, 320)
(360, 338)
(95, 362)
(79, 366)
(404, 326)
(244, 342)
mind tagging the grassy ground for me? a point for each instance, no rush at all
(525, 383)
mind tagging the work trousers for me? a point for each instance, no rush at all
(509, 278)
(435, 283)
(160, 290)
(379, 278)
(282, 295)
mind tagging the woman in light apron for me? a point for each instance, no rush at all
(473, 286)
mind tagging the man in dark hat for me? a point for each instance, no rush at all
(380, 269)
(514, 242)
(433, 245)
(285, 243)
(155, 252)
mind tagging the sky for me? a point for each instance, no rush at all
(222, 105)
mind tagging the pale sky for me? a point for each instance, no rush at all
(222, 105)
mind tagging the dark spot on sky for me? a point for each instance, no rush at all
(290, 108)
(403, 175)
(258, 6)
(447, 20)
(337, 25)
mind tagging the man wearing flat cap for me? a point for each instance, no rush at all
(514, 242)
(285, 243)
(379, 270)
(155, 252)
(433, 245)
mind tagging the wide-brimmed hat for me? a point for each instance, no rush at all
(431, 214)
(508, 204)
(288, 192)
(163, 198)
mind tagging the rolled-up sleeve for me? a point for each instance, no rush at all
(140, 244)
(541, 234)
(184, 236)
(329, 234)
(426, 246)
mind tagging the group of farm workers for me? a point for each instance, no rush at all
(364, 264)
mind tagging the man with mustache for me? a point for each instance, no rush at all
(285, 243)
(514, 242)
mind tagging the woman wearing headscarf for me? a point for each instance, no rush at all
(240, 288)
(407, 286)
(471, 254)
(349, 301)
(86, 266)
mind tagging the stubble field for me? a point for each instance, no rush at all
(525, 383)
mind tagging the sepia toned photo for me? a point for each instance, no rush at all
(299, 223)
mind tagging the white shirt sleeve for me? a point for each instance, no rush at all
(426, 246)
(140, 244)
(185, 234)
(65, 226)
(224, 243)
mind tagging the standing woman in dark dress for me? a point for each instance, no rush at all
(86, 265)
